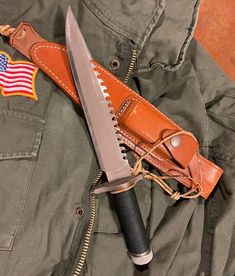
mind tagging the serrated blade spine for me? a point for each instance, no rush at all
(93, 96)
(111, 110)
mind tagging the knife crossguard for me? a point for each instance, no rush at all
(118, 186)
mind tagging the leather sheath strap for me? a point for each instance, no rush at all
(141, 124)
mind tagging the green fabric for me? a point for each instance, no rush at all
(47, 163)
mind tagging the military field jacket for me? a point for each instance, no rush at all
(48, 164)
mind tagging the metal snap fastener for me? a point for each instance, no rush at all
(79, 212)
(175, 141)
(115, 64)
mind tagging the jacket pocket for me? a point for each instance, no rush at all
(20, 137)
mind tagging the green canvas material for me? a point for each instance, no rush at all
(47, 161)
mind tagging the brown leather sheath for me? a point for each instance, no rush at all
(141, 124)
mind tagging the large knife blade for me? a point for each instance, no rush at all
(101, 123)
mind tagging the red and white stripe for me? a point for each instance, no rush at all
(18, 78)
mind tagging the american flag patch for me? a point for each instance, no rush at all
(17, 77)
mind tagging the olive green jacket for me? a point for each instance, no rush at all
(48, 219)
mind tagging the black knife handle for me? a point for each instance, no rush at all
(132, 226)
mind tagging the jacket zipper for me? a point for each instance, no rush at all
(87, 240)
(131, 65)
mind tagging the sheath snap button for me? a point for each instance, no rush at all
(114, 64)
(175, 141)
(79, 212)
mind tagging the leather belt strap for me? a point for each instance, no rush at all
(141, 124)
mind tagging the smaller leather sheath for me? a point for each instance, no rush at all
(141, 124)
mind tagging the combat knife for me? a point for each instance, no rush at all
(104, 133)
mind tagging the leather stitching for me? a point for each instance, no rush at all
(126, 87)
(49, 70)
(123, 108)
(121, 111)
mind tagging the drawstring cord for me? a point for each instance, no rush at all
(6, 30)
(138, 168)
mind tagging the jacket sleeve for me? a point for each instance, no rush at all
(218, 94)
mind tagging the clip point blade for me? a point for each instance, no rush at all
(72, 31)
(94, 102)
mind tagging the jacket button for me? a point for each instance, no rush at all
(114, 64)
(79, 212)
